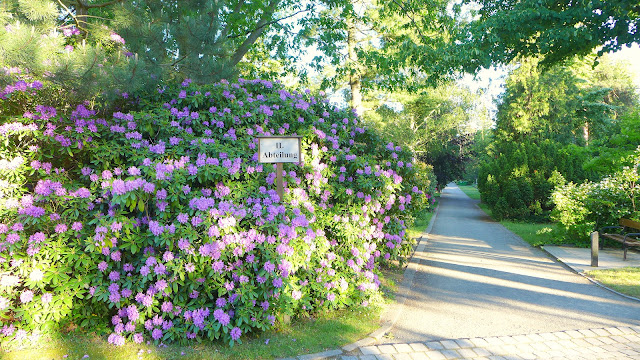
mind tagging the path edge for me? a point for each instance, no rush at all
(584, 275)
(392, 314)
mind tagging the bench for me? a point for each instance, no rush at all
(625, 236)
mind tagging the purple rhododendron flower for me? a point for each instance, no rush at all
(102, 266)
(222, 317)
(119, 187)
(235, 333)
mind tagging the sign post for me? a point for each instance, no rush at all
(279, 150)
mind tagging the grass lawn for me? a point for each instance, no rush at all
(328, 331)
(420, 224)
(534, 234)
(471, 191)
(625, 280)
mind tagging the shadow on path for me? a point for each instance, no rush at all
(477, 279)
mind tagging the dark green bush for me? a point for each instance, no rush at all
(518, 179)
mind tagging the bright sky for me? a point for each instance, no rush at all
(632, 56)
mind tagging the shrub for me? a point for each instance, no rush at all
(159, 224)
(581, 209)
(516, 183)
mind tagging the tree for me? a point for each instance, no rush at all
(364, 47)
(434, 126)
(548, 126)
(205, 40)
(501, 31)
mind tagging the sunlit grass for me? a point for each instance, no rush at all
(420, 224)
(303, 336)
(471, 191)
(625, 280)
(536, 234)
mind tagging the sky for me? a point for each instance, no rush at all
(632, 56)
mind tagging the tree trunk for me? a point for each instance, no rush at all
(585, 131)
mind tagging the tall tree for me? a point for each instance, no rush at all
(433, 125)
(364, 47)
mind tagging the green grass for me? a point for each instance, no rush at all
(536, 234)
(328, 331)
(471, 191)
(625, 280)
(420, 224)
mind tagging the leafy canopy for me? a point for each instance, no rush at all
(502, 31)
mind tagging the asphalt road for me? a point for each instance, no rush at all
(477, 279)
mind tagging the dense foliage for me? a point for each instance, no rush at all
(502, 31)
(583, 208)
(517, 182)
(550, 124)
(158, 223)
(433, 124)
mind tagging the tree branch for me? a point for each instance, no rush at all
(410, 18)
(255, 34)
(226, 28)
(271, 22)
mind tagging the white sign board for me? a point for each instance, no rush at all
(279, 149)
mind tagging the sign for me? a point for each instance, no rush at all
(279, 150)
(282, 149)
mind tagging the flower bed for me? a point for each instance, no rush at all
(159, 224)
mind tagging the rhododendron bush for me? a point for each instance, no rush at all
(157, 223)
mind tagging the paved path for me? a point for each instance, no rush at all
(477, 279)
(481, 292)
(618, 343)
